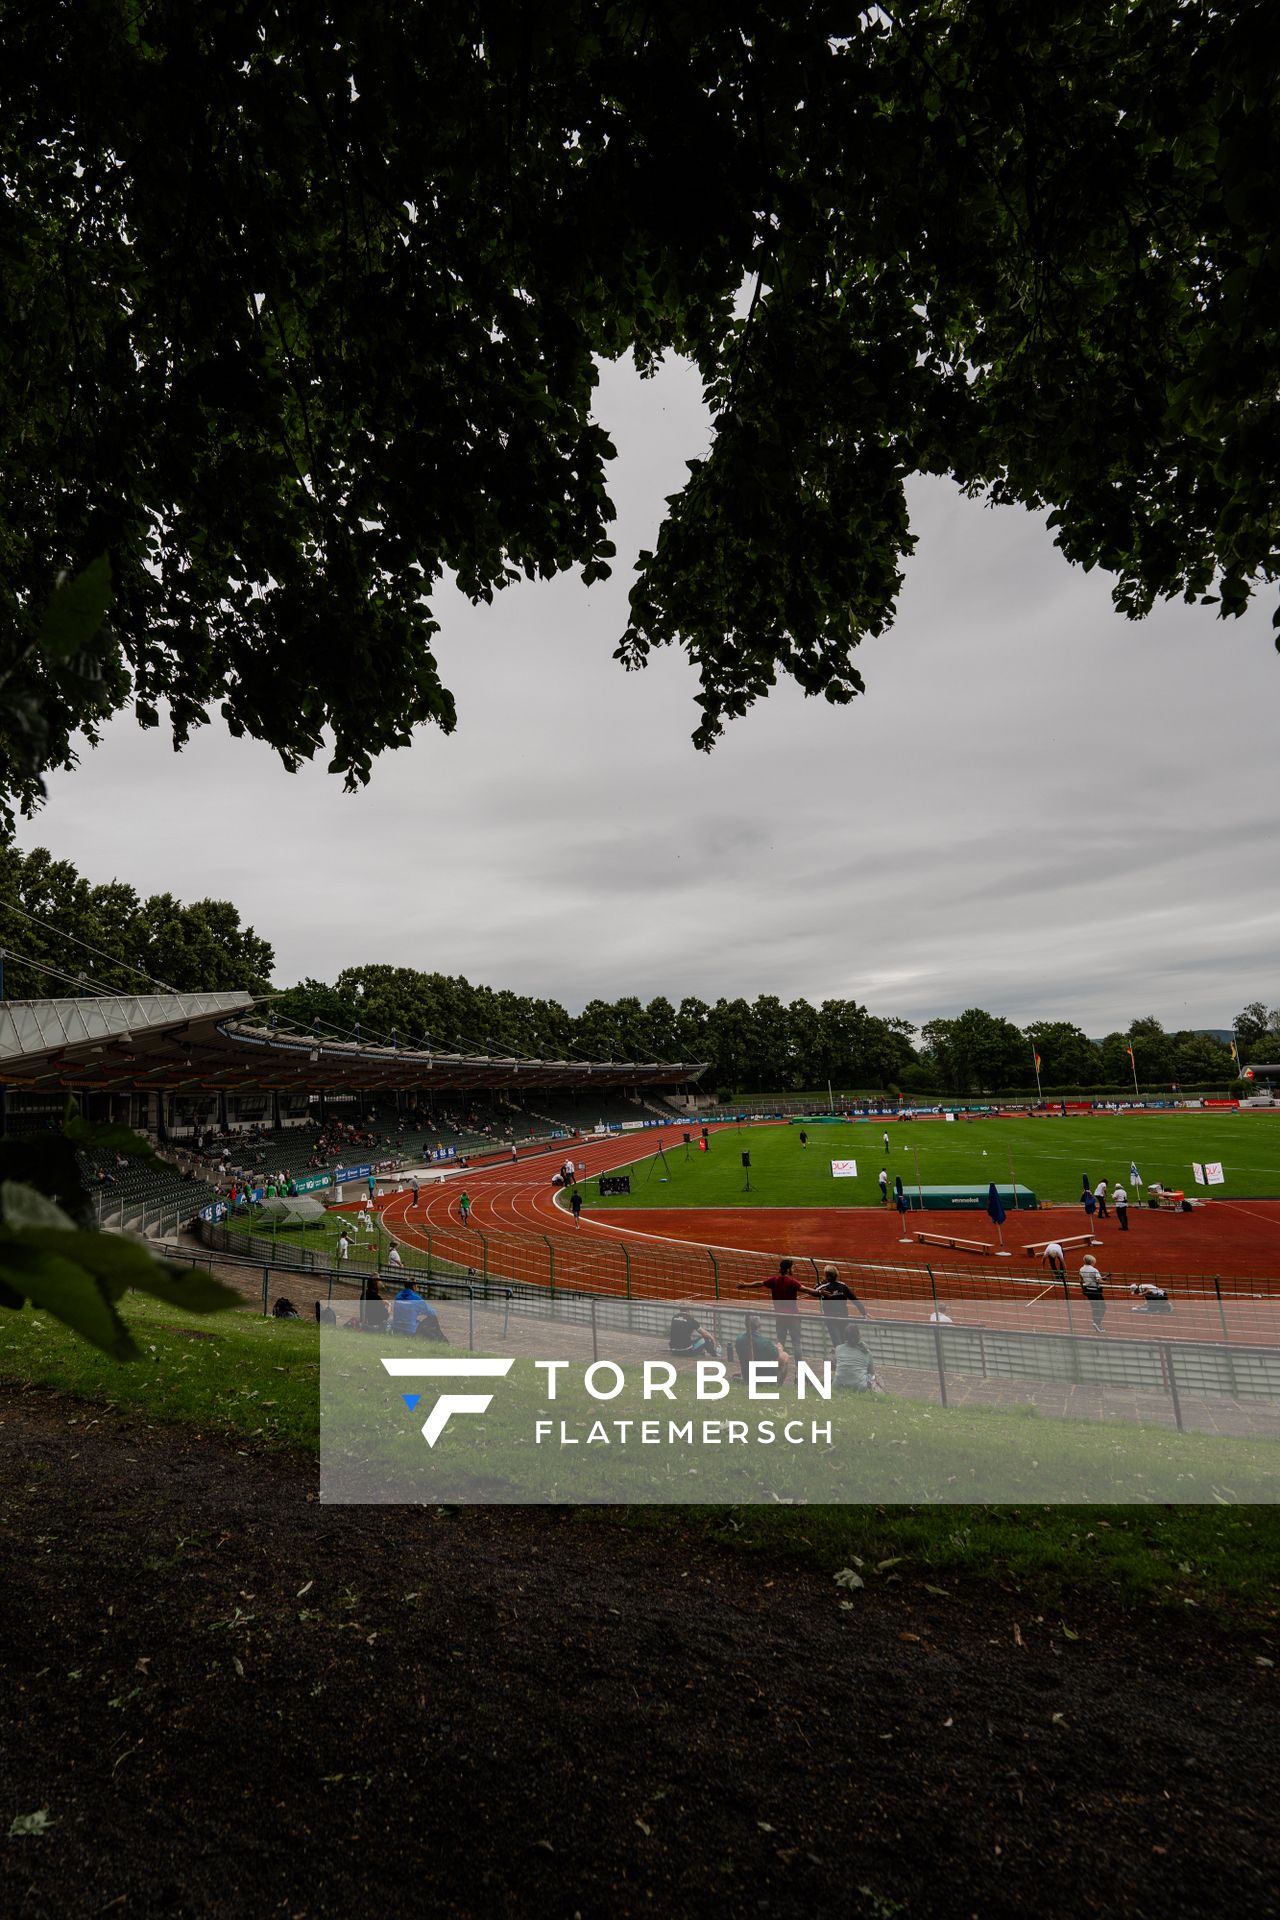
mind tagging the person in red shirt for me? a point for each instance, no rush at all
(786, 1291)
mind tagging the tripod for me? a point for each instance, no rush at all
(659, 1155)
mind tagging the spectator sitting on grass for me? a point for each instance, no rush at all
(373, 1308)
(855, 1369)
(686, 1336)
(429, 1327)
(406, 1308)
(754, 1345)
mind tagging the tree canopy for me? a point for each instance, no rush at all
(1254, 1023)
(302, 312)
(51, 917)
(55, 925)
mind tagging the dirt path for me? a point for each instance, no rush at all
(234, 1702)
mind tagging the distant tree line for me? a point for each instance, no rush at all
(978, 1052)
(765, 1045)
(768, 1045)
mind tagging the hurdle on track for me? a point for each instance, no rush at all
(1036, 1247)
(951, 1240)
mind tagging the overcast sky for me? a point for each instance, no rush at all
(1037, 807)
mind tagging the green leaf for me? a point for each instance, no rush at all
(22, 1206)
(187, 1288)
(68, 1292)
(76, 609)
(121, 1264)
(47, 1162)
(24, 1824)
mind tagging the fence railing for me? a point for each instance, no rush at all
(1204, 1305)
(1150, 1367)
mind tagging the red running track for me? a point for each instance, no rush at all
(1237, 1239)
(666, 1250)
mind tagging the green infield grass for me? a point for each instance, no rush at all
(1049, 1156)
(320, 1238)
(368, 1249)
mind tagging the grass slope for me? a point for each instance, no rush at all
(257, 1380)
(1049, 1156)
(232, 1374)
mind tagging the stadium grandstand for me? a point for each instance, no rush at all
(228, 1094)
(582, 1112)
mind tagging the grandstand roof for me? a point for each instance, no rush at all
(179, 1042)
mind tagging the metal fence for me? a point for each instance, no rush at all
(1137, 1375)
(1205, 1305)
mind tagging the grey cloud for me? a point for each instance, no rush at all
(1037, 807)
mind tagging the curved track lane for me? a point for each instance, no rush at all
(671, 1253)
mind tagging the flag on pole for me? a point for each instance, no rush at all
(1135, 1178)
(1037, 1063)
(995, 1206)
(1234, 1055)
(1129, 1051)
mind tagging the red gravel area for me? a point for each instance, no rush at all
(1236, 1238)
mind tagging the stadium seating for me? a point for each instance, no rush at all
(580, 1112)
(141, 1197)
